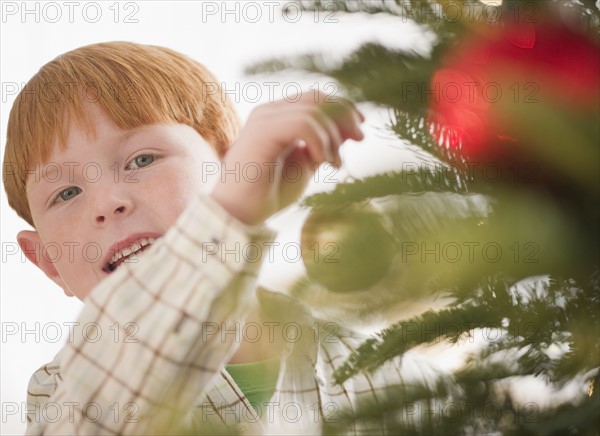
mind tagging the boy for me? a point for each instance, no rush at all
(145, 120)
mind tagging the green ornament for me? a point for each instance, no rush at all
(348, 248)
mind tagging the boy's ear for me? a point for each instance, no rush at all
(31, 245)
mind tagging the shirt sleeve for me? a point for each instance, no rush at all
(152, 334)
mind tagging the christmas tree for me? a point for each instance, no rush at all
(500, 216)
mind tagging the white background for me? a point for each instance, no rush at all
(249, 32)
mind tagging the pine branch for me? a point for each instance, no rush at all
(417, 129)
(372, 73)
(574, 419)
(390, 183)
(582, 319)
(540, 318)
(449, 324)
(486, 307)
(418, 10)
(431, 14)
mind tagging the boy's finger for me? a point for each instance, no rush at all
(316, 139)
(335, 137)
(348, 124)
(345, 114)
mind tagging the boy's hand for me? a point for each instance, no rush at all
(277, 151)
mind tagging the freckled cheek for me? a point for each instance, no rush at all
(172, 192)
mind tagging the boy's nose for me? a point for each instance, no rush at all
(110, 208)
(121, 210)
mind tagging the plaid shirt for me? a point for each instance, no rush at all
(150, 357)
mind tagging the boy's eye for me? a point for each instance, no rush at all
(142, 160)
(68, 193)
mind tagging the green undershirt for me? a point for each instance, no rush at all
(256, 380)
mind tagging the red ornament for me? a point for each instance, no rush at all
(479, 94)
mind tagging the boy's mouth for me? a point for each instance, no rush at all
(127, 250)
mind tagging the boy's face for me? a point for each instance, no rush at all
(104, 193)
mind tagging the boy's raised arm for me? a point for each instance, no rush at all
(303, 134)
